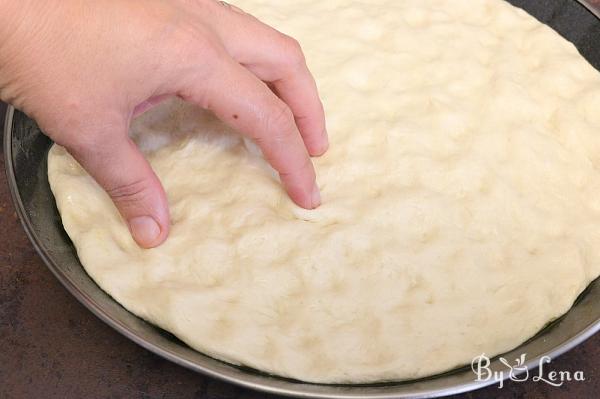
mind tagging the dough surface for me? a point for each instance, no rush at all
(461, 199)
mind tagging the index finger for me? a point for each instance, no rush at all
(245, 103)
(278, 59)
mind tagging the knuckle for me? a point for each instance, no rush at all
(200, 68)
(280, 121)
(305, 167)
(293, 56)
(129, 193)
(195, 47)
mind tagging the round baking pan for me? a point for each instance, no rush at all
(26, 150)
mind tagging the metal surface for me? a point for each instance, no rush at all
(25, 155)
(592, 5)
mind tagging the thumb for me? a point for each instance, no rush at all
(116, 163)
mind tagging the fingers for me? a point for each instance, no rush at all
(120, 168)
(239, 99)
(278, 59)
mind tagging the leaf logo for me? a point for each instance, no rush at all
(519, 372)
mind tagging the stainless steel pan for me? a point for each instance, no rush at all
(592, 5)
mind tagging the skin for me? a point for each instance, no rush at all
(83, 69)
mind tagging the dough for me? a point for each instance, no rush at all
(461, 200)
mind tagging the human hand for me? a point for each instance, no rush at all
(84, 69)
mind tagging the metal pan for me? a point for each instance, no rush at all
(592, 5)
(26, 151)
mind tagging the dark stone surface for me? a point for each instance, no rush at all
(52, 347)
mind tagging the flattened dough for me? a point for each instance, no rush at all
(461, 199)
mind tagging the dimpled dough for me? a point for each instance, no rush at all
(461, 200)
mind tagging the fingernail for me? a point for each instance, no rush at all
(144, 230)
(316, 196)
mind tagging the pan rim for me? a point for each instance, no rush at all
(267, 384)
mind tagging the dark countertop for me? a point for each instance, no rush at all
(53, 347)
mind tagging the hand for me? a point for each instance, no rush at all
(84, 69)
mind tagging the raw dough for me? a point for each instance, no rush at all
(461, 200)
